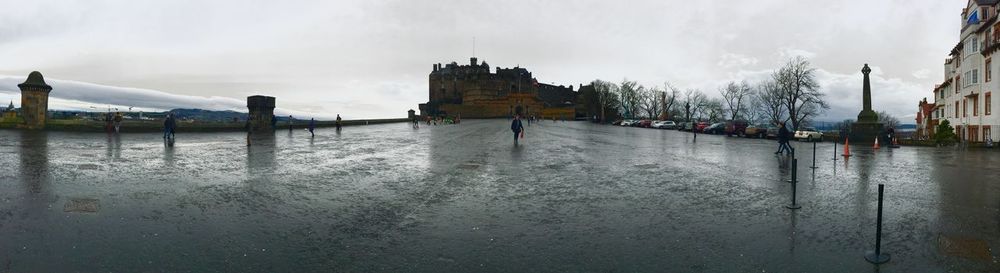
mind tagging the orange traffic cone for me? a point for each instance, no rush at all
(876, 143)
(847, 147)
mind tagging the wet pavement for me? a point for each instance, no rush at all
(572, 197)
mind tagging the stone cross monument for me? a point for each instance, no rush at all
(34, 101)
(867, 127)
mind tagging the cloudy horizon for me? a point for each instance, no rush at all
(370, 59)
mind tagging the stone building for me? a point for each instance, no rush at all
(474, 91)
(34, 101)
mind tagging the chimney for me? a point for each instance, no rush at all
(473, 61)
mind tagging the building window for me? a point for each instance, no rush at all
(975, 76)
(956, 109)
(975, 106)
(958, 82)
(987, 70)
(965, 108)
(987, 104)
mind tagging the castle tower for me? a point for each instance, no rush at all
(261, 110)
(34, 100)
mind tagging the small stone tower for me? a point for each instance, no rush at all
(261, 110)
(34, 100)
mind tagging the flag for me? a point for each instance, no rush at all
(973, 18)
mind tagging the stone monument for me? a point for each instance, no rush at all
(34, 101)
(261, 109)
(867, 127)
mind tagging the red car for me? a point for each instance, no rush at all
(645, 123)
(700, 127)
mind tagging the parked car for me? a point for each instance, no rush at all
(772, 131)
(700, 126)
(736, 127)
(645, 123)
(687, 126)
(716, 128)
(628, 122)
(808, 134)
(758, 131)
(664, 124)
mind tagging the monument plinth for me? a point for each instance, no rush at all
(867, 127)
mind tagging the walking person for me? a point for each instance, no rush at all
(517, 127)
(338, 123)
(169, 127)
(118, 122)
(312, 126)
(783, 138)
(108, 119)
(290, 120)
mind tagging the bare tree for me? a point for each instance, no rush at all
(769, 99)
(607, 96)
(672, 95)
(629, 97)
(735, 96)
(800, 90)
(889, 120)
(652, 103)
(693, 98)
(713, 110)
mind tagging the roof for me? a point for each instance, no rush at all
(35, 80)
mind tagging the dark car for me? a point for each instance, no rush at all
(736, 127)
(716, 128)
(645, 123)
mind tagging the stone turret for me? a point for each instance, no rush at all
(261, 109)
(34, 101)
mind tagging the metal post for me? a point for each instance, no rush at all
(795, 164)
(878, 257)
(795, 171)
(814, 157)
(835, 149)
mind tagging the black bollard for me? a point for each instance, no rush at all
(835, 150)
(794, 181)
(795, 170)
(814, 157)
(877, 257)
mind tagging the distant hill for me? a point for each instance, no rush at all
(208, 115)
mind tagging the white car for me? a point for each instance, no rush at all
(808, 134)
(664, 124)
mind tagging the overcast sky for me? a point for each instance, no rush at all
(370, 59)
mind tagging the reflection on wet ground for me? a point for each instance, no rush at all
(572, 197)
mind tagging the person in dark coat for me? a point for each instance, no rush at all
(168, 126)
(312, 126)
(783, 136)
(517, 127)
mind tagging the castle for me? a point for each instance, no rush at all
(472, 91)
